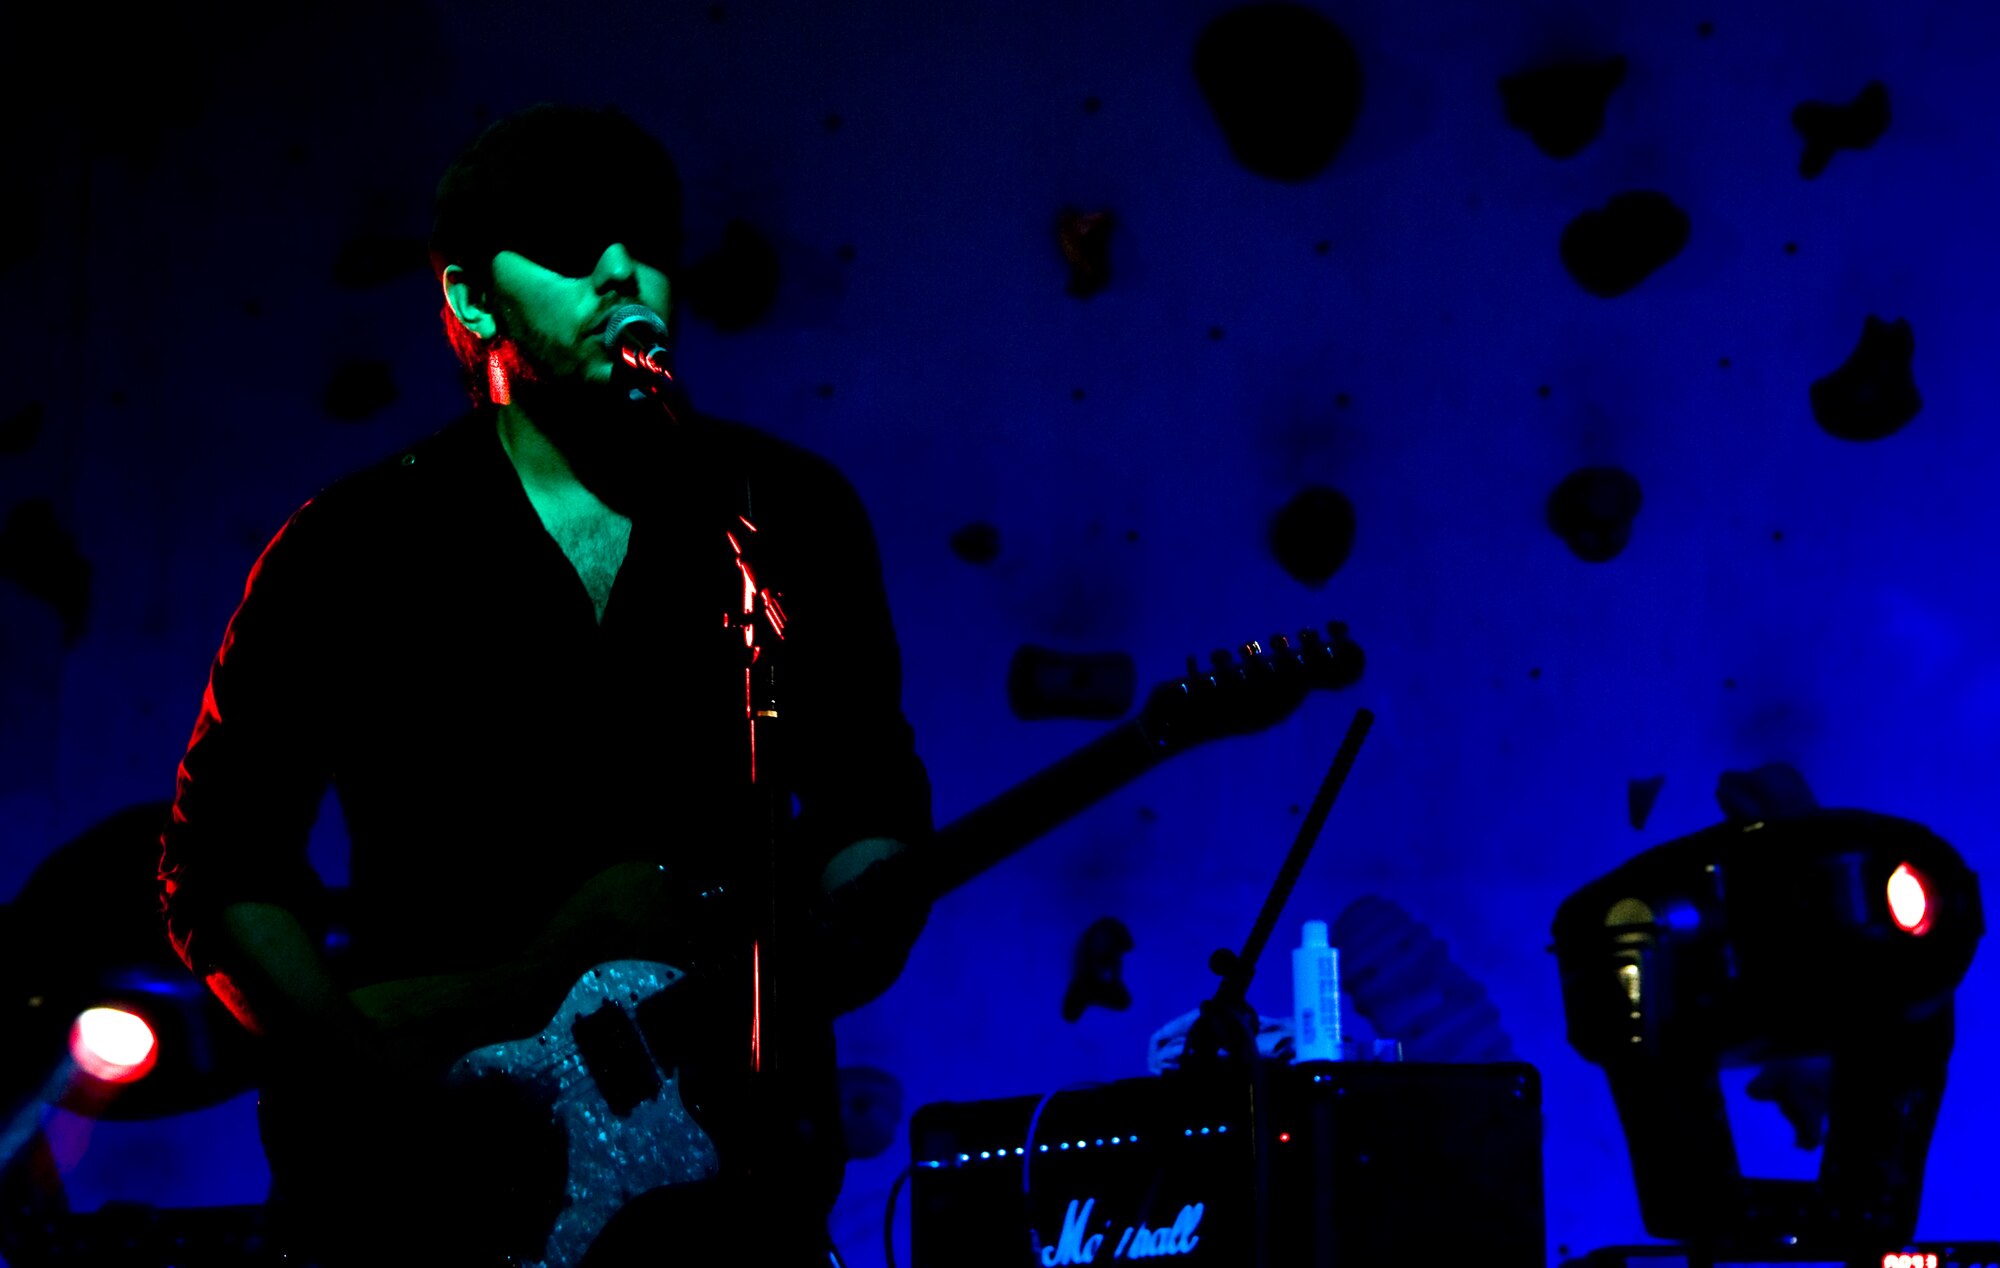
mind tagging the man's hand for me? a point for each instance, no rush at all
(873, 913)
(847, 866)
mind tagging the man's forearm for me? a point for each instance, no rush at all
(266, 970)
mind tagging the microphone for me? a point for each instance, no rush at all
(637, 336)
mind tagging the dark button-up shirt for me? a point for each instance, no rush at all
(414, 635)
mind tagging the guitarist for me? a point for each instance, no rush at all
(518, 652)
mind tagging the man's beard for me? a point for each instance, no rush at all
(613, 443)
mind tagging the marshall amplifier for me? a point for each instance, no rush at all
(1368, 1164)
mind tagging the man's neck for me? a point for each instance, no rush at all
(544, 468)
(573, 448)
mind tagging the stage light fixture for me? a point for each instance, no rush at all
(83, 938)
(1909, 901)
(1835, 934)
(113, 1045)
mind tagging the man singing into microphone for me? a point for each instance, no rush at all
(533, 655)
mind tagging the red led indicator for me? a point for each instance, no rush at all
(1909, 900)
(113, 1045)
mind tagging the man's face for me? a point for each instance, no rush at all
(555, 321)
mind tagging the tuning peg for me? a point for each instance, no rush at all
(1279, 643)
(1252, 649)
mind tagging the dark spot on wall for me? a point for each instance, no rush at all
(833, 122)
(1592, 511)
(1284, 85)
(1148, 815)
(1097, 970)
(715, 13)
(1705, 29)
(22, 428)
(825, 391)
(1874, 392)
(1076, 394)
(1323, 247)
(1535, 674)
(1723, 363)
(1729, 684)
(1312, 535)
(1611, 251)
(253, 308)
(1342, 400)
(871, 1109)
(37, 555)
(1561, 108)
(1640, 794)
(846, 253)
(1775, 790)
(1777, 534)
(370, 259)
(1543, 391)
(1045, 683)
(1085, 239)
(1092, 105)
(734, 286)
(360, 388)
(1132, 535)
(1405, 983)
(1215, 334)
(1828, 128)
(976, 543)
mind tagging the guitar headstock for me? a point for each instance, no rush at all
(1254, 687)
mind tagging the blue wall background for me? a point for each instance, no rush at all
(1399, 327)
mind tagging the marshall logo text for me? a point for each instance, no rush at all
(1078, 1245)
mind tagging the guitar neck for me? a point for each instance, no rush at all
(977, 840)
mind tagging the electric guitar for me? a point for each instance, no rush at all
(610, 1066)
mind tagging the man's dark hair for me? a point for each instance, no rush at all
(557, 184)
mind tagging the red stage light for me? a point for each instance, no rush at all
(113, 1045)
(1909, 900)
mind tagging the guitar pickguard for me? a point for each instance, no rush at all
(613, 1157)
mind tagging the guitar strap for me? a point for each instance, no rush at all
(757, 614)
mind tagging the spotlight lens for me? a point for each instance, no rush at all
(1908, 903)
(113, 1045)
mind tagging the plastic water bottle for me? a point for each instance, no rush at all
(1315, 997)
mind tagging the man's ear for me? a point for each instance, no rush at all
(467, 305)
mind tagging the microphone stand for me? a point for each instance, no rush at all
(1224, 1035)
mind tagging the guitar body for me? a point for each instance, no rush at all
(622, 1132)
(619, 1105)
